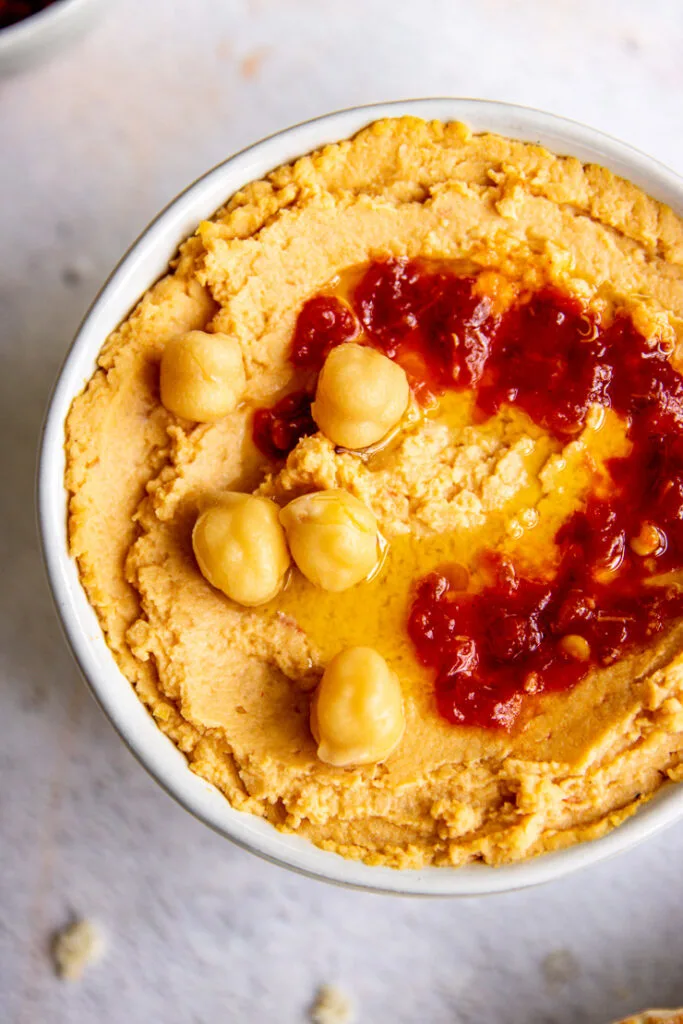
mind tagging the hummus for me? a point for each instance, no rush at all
(230, 685)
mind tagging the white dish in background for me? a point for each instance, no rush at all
(144, 263)
(45, 33)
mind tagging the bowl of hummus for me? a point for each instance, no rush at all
(361, 497)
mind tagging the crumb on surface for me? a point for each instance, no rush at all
(332, 1006)
(559, 967)
(75, 947)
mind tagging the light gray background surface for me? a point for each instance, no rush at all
(91, 147)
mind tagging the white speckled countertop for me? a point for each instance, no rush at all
(91, 147)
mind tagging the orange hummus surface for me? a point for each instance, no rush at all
(231, 686)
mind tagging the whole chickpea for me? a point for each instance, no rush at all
(357, 712)
(241, 549)
(202, 376)
(333, 538)
(361, 395)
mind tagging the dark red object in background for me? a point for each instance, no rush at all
(12, 11)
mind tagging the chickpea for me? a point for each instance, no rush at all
(241, 549)
(333, 538)
(361, 395)
(648, 542)
(576, 647)
(357, 713)
(202, 376)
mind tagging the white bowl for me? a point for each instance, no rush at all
(144, 263)
(45, 33)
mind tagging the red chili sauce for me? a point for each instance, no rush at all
(12, 11)
(323, 322)
(491, 649)
(277, 430)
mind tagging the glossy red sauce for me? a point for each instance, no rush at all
(412, 316)
(277, 430)
(12, 11)
(492, 649)
(323, 322)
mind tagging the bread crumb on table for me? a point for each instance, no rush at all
(76, 947)
(559, 968)
(332, 1006)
